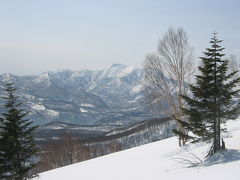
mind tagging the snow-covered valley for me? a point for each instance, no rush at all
(160, 160)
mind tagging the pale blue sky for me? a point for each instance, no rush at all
(43, 35)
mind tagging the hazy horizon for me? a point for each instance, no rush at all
(40, 36)
(61, 70)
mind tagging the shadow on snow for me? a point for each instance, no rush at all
(222, 157)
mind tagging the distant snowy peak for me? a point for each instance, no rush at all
(115, 75)
(126, 71)
(113, 71)
(7, 78)
(119, 71)
(43, 78)
(64, 74)
(138, 88)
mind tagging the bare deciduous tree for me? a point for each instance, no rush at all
(114, 146)
(234, 65)
(67, 150)
(167, 74)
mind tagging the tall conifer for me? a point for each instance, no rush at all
(211, 103)
(16, 140)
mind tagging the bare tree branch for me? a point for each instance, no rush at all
(188, 159)
(167, 74)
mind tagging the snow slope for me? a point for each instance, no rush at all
(159, 160)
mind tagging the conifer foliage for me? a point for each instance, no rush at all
(17, 145)
(211, 103)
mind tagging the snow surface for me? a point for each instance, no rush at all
(137, 88)
(87, 105)
(53, 113)
(28, 96)
(39, 107)
(113, 71)
(83, 110)
(126, 71)
(42, 78)
(159, 160)
(7, 78)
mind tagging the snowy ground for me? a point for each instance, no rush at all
(159, 160)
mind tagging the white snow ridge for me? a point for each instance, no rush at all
(126, 71)
(53, 113)
(159, 160)
(39, 107)
(83, 110)
(87, 105)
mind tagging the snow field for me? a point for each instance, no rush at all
(159, 160)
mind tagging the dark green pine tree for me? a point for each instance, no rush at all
(16, 138)
(211, 103)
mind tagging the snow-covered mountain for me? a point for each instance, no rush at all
(86, 97)
(160, 160)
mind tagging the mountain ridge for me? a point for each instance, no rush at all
(86, 97)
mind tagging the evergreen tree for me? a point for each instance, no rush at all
(211, 103)
(16, 139)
